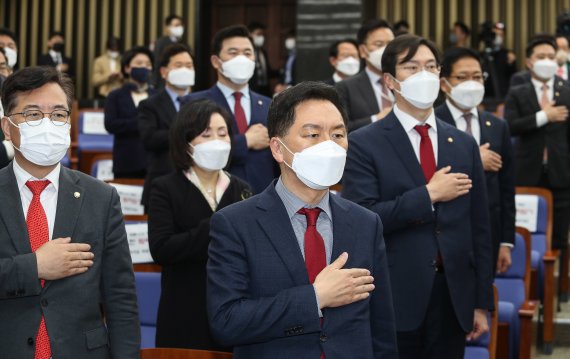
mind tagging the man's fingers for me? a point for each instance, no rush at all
(62, 240)
(363, 280)
(340, 261)
(357, 272)
(78, 247)
(364, 289)
(445, 169)
(81, 263)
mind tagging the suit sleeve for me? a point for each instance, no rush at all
(519, 123)
(153, 138)
(507, 188)
(238, 318)
(383, 321)
(113, 122)
(19, 276)
(118, 286)
(353, 123)
(239, 150)
(167, 245)
(361, 185)
(481, 235)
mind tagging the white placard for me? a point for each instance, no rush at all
(105, 170)
(137, 235)
(130, 196)
(94, 123)
(527, 211)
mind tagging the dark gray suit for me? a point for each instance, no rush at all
(359, 100)
(90, 315)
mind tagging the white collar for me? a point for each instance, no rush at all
(336, 77)
(228, 92)
(22, 176)
(457, 113)
(374, 77)
(409, 122)
(538, 84)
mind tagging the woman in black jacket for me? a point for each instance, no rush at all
(180, 208)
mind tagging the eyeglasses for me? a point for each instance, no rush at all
(35, 117)
(479, 78)
(413, 69)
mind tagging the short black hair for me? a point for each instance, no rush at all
(370, 26)
(455, 54)
(172, 50)
(113, 43)
(333, 50)
(401, 24)
(192, 119)
(6, 32)
(130, 54)
(31, 78)
(283, 107)
(171, 17)
(463, 26)
(401, 44)
(56, 33)
(254, 25)
(540, 39)
(229, 32)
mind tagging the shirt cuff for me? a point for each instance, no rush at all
(9, 149)
(373, 118)
(318, 304)
(505, 244)
(541, 119)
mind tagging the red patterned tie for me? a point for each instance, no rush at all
(239, 113)
(427, 158)
(315, 255)
(38, 231)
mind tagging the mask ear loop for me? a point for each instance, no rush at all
(291, 152)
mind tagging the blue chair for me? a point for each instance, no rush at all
(148, 295)
(97, 162)
(90, 141)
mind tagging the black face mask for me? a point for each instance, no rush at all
(58, 47)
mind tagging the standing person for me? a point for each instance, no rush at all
(67, 288)
(121, 116)
(563, 56)
(425, 180)
(156, 113)
(181, 205)
(343, 57)
(462, 80)
(107, 74)
(6, 149)
(288, 71)
(537, 112)
(56, 56)
(459, 35)
(365, 95)
(286, 277)
(173, 32)
(260, 81)
(9, 44)
(234, 60)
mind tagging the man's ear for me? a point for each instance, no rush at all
(6, 128)
(389, 81)
(215, 61)
(277, 149)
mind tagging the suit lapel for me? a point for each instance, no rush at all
(11, 211)
(485, 128)
(168, 106)
(445, 147)
(531, 97)
(257, 103)
(367, 92)
(445, 115)
(218, 97)
(343, 233)
(558, 86)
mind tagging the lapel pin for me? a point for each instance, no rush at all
(260, 102)
(450, 140)
(557, 94)
(488, 123)
(76, 194)
(560, 83)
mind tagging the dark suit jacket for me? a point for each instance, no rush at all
(255, 82)
(155, 114)
(521, 107)
(259, 296)
(46, 60)
(500, 185)
(90, 315)
(3, 154)
(159, 46)
(520, 78)
(255, 167)
(179, 226)
(383, 174)
(121, 119)
(359, 100)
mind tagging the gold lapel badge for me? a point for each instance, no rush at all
(259, 102)
(450, 140)
(488, 123)
(76, 194)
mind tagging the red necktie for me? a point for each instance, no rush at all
(239, 113)
(427, 158)
(38, 232)
(315, 255)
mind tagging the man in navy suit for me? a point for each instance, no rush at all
(462, 81)
(425, 180)
(290, 270)
(234, 60)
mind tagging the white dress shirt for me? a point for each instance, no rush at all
(245, 99)
(461, 124)
(541, 118)
(374, 81)
(56, 57)
(408, 122)
(48, 198)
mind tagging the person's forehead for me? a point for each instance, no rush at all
(543, 49)
(181, 56)
(5, 39)
(239, 42)
(322, 112)
(423, 53)
(47, 96)
(347, 46)
(466, 64)
(382, 33)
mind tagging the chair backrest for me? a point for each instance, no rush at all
(148, 297)
(102, 167)
(171, 353)
(513, 285)
(544, 213)
(92, 134)
(137, 236)
(130, 193)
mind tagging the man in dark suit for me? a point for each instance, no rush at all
(6, 149)
(425, 180)
(286, 277)
(260, 81)
(67, 287)
(365, 96)
(537, 112)
(462, 82)
(233, 59)
(173, 32)
(157, 112)
(55, 56)
(343, 57)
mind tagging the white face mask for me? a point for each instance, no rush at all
(259, 40)
(177, 31)
(420, 89)
(212, 155)
(468, 94)
(319, 166)
(290, 44)
(44, 144)
(375, 57)
(498, 41)
(545, 69)
(182, 77)
(239, 69)
(348, 66)
(113, 54)
(11, 56)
